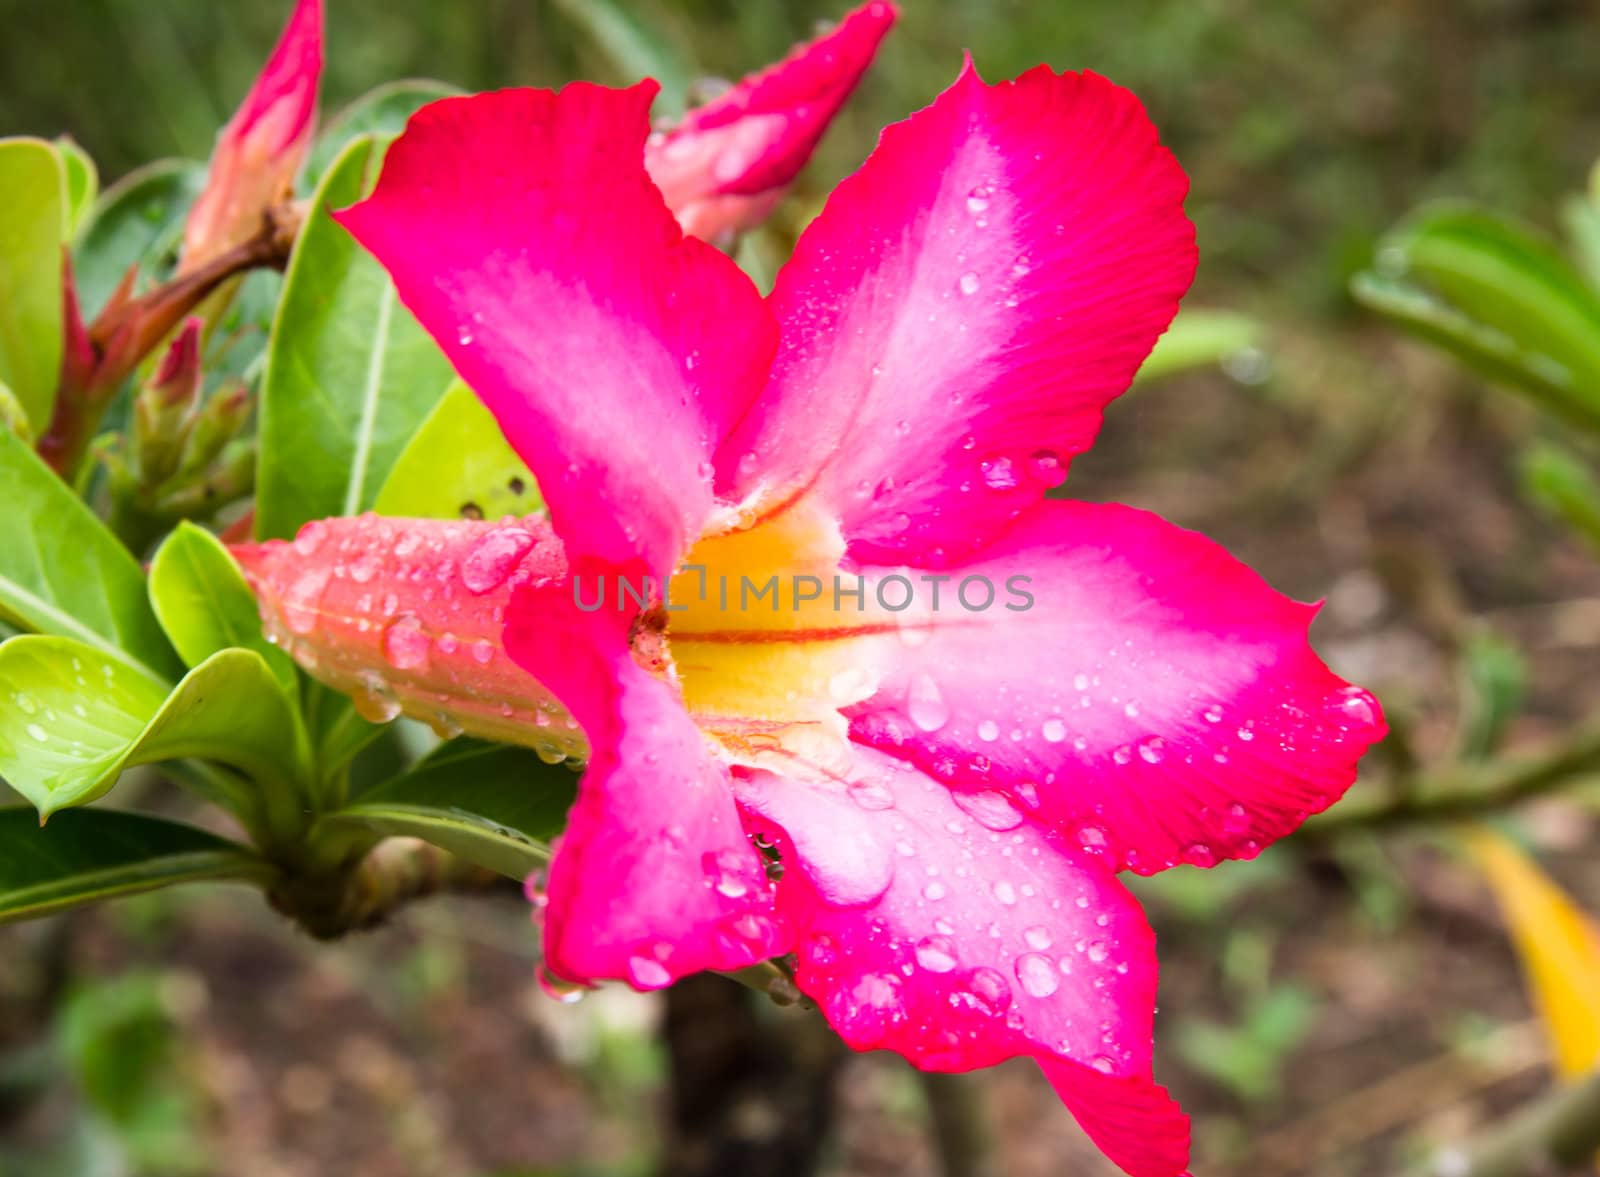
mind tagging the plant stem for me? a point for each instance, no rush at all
(1465, 793)
(1557, 1133)
(362, 894)
(960, 1130)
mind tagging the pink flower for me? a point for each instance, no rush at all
(926, 805)
(261, 148)
(724, 167)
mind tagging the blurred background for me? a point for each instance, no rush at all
(1338, 1007)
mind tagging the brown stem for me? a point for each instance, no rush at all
(1557, 1133)
(98, 360)
(1466, 792)
(395, 872)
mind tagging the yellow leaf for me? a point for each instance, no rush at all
(1559, 947)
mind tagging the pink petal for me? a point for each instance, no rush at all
(654, 878)
(1159, 703)
(723, 167)
(259, 151)
(521, 229)
(963, 309)
(959, 934)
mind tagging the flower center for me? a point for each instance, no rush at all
(772, 639)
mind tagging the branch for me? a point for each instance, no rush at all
(1466, 792)
(1557, 1133)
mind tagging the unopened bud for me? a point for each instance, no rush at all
(406, 616)
(165, 407)
(218, 422)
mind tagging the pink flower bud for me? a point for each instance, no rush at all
(260, 150)
(725, 166)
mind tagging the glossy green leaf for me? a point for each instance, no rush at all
(32, 227)
(96, 854)
(77, 718)
(1200, 339)
(1502, 275)
(83, 184)
(62, 572)
(204, 604)
(350, 374)
(1581, 216)
(382, 112)
(136, 221)
(491, 804)
(1485, 349)
(458, 464)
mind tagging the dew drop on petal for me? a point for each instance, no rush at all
(1104, 1064)
(990, 990)
(988, 731)
(998, 474)
(559, 988)
(1097, 952)
(375, 700)
(482, 651)
(1152, 750)
(871, 795)
(978, 200)
(1053, 730)
(302, 603)
(936, 954)
(494, 557)
(310, 538)
(969, 283)
(406, 644)
(1037, 937)
(648, 973)
(38, 733)
(926, 705)
(990, 808)
(1005, 892)
(1037, 974)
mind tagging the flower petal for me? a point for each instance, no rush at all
(963, 309)
(521, 229)
(1159, 703)
(959, 934)
(654, 878)
(723, 167)
(260, 149)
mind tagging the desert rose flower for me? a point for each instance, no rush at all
(261, 148)
(926, 800)
(724, 167)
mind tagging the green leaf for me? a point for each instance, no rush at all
(1502, 275)
(1581, 216)
(62, 572)
(136, 221)
(1200, 339)
(1494, 681)
(633, 49)
(78, 718)
(204, 604)
(83, 183)
(491, 804)
(458, 463)
(1485, 349)
(1564, 486)
(32, 227)
(382, 112)
(95, 854)
(350, 374)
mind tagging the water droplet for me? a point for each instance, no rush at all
(1047, 466)
(494, 557)
(38, 733)
(648, 973)
(1037, 937)
(872, 796)
(989, 808)
(936, 954)
(376, 701)
(926, 705)
(1123, 755)
(1131, 709)
(1237, 819)
(1199, 854)
(998, 474)
(1054, 731)
(969, 283)
(1097, 952)
(310, 538)
(363, 568)
(988, 730)
(1357, 704)
(406, 644)
(1212, 714)
(934, 891)
(1247, 733)
(26, 704)
(559, 988)
(990, 990)
(302, 603)
(978, 200)
(1005, 893)
(1104, 1064)
(482, 651)
(726, 871)
(1152, 750)
(1037, 974)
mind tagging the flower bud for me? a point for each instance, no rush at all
(406, 616)
(726, 165)
(261, 148)
(164, 408)
(217, 423)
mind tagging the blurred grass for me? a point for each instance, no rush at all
(1306, 125)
